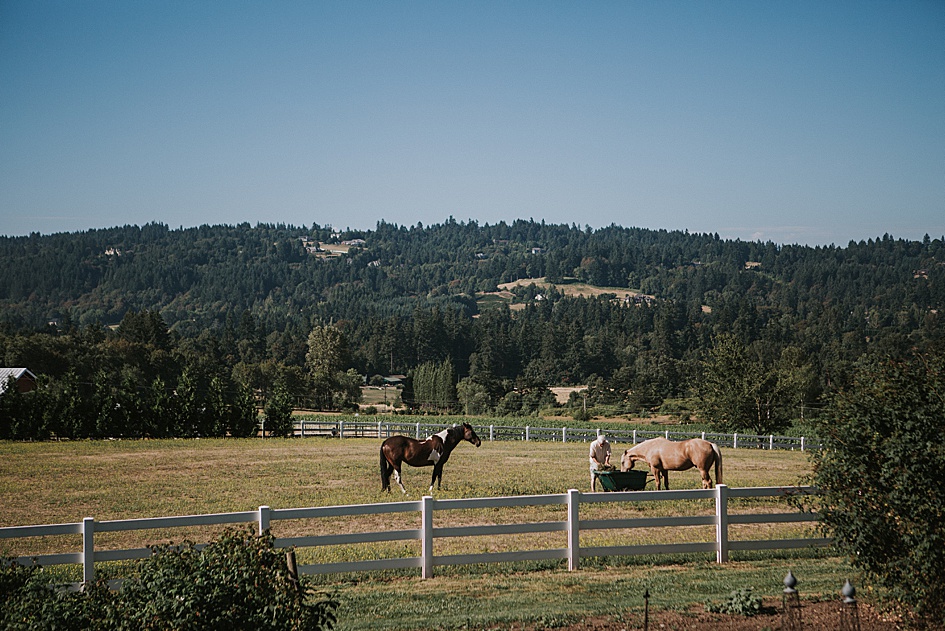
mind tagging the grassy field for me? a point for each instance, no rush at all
(65, 482)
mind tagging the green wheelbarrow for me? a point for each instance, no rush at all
(621, 480)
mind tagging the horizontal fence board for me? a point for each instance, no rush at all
(47, 530)
(361, 566)
(66, 558)
(772, 518)
(349, 538)
(345, 510)
(123, 555)
(501, 529)
(501, 502)
(646, 496)
(763, 491)
(648, 522)
(181, 521)
(779, 544)
(501, 557)
(656, 548)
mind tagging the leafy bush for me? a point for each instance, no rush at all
(240, 581)
(741, 603)
(580, 414)
(880, 475)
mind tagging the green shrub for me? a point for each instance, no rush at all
(28, 602)
(580, 414)
(880, 476)
(240, 581)
(740, 603)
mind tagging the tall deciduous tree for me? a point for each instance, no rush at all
(327, 358)
(741, 391)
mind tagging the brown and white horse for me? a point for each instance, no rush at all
(435, 451)
(666, 455)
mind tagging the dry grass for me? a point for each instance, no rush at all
(65, 482)
(571, 289)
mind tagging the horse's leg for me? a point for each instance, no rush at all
(437, 477)
(662, 479)
(399, 481)
(385, 472)
(706, 480)
(658, 474)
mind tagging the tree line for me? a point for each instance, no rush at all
(750, 332)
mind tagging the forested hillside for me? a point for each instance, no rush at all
(773, 326)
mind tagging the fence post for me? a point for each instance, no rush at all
(88, 549)
(263, 519)
(634, 437)
(703, 435)
(667, 434)
(574, 530)
(564, 434)
(527, 433)
(802, 443)
(771, 443)
(491, 433)
(721, 522)
(417, 435)
(426, 536)
(735, 440)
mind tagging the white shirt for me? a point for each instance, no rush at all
(599, 452)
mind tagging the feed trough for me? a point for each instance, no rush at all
(622, 480)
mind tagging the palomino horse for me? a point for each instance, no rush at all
(435, 451)
(665, 455)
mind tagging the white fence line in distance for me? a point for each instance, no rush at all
(382, 429)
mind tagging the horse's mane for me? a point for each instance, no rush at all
(456, 434)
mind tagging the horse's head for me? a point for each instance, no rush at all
(470, 434)
(628, 459)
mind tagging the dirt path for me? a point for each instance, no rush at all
(814, 615)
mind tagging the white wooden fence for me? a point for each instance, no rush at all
(383, 429)
(427, 533)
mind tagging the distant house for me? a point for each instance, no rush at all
(24, 379)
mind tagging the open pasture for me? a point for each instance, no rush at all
(58, 482)
(64, 482)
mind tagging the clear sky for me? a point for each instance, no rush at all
(811, 122)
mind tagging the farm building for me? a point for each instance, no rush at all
(24, 379)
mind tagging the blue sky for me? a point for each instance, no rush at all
(794, 122)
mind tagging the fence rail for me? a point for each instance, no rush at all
(383, 429)
(426, 532)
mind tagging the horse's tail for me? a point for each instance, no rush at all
(718, 463)
(385, 471)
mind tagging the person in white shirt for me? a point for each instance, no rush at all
(599, 457)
